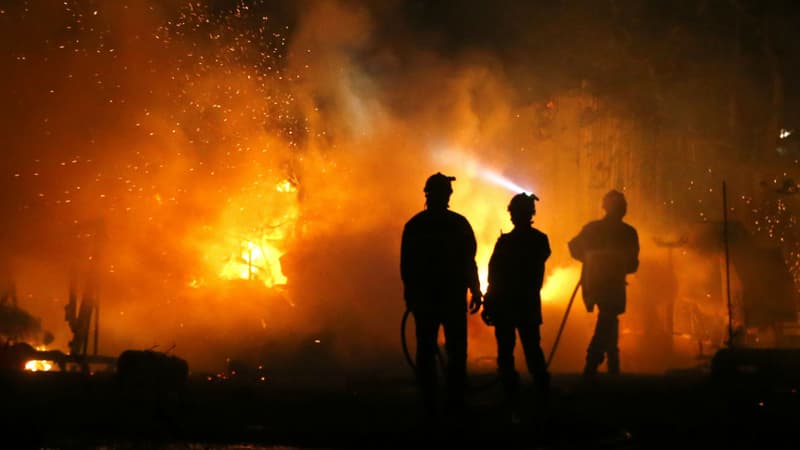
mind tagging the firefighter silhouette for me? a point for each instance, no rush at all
(609, 250)
(513, 303)
(437, 265)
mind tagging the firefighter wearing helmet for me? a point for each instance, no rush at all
(437, 265)
(609, 250)
(513, 302)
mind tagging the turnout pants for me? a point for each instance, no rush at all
(530, 338)
(604, 343)
(454, 321)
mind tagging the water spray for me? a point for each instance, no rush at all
(499, 180)
(475, 168)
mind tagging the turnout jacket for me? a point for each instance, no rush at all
(609, 250)
(516, 273)
(437, 259)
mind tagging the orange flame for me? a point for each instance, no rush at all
(256, 261)
(560, 284)
(257, 255)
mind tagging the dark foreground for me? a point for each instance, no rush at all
(678, 410)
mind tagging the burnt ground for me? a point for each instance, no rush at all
(675, 410)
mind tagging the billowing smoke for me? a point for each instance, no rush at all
(233, 177)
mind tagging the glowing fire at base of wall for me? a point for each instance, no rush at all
(256, 261)
(37, 365)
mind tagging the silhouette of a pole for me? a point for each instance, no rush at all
(727, 262)
(96, 325)
(563, 323)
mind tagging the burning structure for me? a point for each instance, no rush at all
(252, 161)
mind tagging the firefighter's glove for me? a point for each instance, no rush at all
(475, 302)
(487, 318)
(488, 313)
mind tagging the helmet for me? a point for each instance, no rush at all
(614, 200)
(523, 203)
(439, 183)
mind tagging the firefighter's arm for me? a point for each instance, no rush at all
(405, 268)
(494, 262)
(490, 299)
(472, 274)
(633, 257)
(577, 246)
(546, 250)
(489, 307)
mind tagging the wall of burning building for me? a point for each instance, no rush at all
(234, 176)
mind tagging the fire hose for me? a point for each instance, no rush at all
(563, 324)
(409, 359)
(413, 364)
